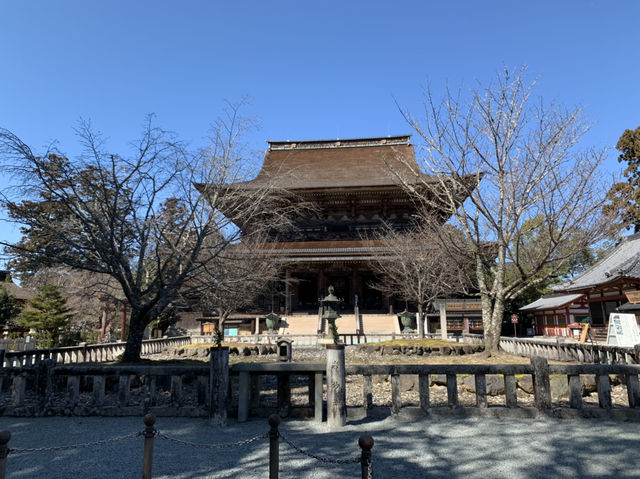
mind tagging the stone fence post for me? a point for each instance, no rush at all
(336, 386)
(541, 383)
(218, 385)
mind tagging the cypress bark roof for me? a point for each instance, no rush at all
(13, 289)
(363, 162)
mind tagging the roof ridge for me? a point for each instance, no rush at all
(615, 251)
(398, 140)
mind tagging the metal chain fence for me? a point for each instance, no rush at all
(150, 433)
(73, 446)
(212, 446)
(326, 460)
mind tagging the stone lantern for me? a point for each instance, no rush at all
(336, 383)
(330, 305)
(284, 349)
(408, 321)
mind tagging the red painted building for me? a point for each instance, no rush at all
(596, 293)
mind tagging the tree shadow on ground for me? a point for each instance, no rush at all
(418, 448)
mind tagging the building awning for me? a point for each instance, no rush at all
(551, 302)
(629, 308)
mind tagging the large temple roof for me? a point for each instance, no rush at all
(353, 163)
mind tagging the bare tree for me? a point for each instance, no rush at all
(90, 295)
(417, 267)
(515, 159)
(236, 278)
(139, 218)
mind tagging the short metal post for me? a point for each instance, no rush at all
(5, 436)
(366, 443)
(274, 451)
(149, 434)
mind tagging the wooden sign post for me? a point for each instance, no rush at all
(585, 332)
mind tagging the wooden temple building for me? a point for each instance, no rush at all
(606, 287)
(354, 186)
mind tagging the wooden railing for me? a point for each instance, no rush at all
(82, 390)
(48, 388)
(539, 370)
(94, 353)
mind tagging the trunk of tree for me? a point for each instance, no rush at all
(222, 317)
(420, 322)
(492, 312)
(137, 323)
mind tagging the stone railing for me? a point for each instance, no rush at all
(86, 353)
(560, 350)
(472, 338)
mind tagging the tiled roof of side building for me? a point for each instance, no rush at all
(551, 302)
(622, 262)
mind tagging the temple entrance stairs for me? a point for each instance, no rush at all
(380, 323)
(299, 324)
(372, 323)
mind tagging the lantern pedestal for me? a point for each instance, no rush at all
(336, 386)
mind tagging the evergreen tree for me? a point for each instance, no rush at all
(9, 307)
(625, 197)
(48, 314)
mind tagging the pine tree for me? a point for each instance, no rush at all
(9, 307)
(625, 197)
(48, 314)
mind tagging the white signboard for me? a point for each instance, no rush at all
(623, 330)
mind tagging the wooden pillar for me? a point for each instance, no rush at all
(284, 394)
(103, 326)
(604, 314)
(317, 401)
(123, 335)
(218, 385)
(336, 386)
(541, 383)
(244, 392)
(443, 320)
(321, 286)
(287, 292)
(354, 287)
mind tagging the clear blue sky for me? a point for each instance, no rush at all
(315, 70)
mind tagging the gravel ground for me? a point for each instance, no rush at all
(433, 448)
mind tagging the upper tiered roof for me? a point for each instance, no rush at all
(352, 163)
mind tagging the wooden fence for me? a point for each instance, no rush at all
(63, 389)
